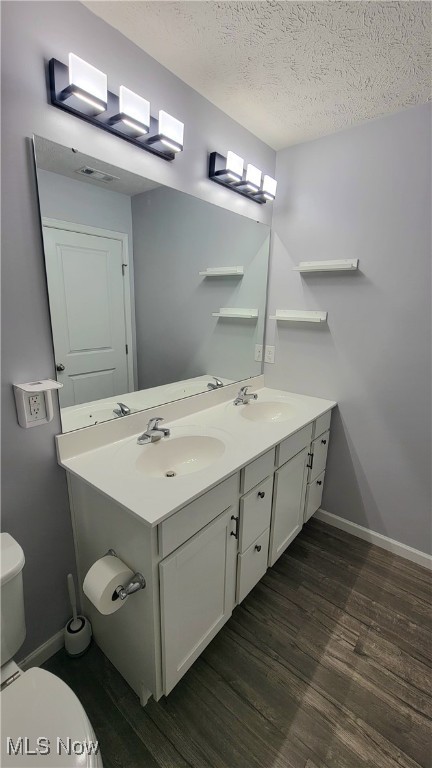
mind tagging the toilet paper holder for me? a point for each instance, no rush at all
(136, 583)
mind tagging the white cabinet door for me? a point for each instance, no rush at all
(288, 504)
(197, 587)
(319, 453)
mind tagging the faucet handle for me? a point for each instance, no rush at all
(154, 422)
(243, 390)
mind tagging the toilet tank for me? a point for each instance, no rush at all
(13, 629)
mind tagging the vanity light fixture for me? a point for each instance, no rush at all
(170, 132)
(269, 186)
(82, 90)
(234, 167)
(134, 114)
(87, 84)
(251, 184)
(253, 178)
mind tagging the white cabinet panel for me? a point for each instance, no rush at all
(188, 521)
(255, 512)
(252, 565)
(257, 470)
(293, 445)
(314, 496)
(322, 424)
(197, 591)
(319, 453)
(288, 504)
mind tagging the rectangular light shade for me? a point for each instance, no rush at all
(234, 166)
(134, 110)
(170, 131)
(269, 187)
(88, 83)
(253, 177)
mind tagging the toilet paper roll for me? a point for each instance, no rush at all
(102, 580)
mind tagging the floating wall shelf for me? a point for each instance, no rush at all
(237, 314)
(337, 265)
(299, 316)
(223, 272)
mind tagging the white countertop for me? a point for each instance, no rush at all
(113, 468)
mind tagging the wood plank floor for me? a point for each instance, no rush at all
(326, 664)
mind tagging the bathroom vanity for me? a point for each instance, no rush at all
(201, 514)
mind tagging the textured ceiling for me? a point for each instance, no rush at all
(288, 71)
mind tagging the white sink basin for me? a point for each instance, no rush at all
(271, 411)
(177, 456)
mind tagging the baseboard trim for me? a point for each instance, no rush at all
(44, 652)
(396, 547)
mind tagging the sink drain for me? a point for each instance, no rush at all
(170, 473)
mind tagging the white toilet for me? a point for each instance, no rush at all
(35, 705)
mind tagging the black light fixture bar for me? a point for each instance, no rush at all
(219, 174)
(60, 88)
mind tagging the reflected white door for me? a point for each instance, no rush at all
(87, 304)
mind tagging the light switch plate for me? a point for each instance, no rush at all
(258, 353)
(269, 354)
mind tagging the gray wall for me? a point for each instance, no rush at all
(363, 193)
(176, 236)
(81, 202)
(35, 504)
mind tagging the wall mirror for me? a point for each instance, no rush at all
(154, 294)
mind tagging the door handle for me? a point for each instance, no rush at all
(60, 367)
(310, 456)
(235, 532)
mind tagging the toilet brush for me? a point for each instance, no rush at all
(77, 632)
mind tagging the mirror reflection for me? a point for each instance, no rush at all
(154, 294)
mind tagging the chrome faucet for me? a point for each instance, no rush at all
(122, 410)
(244, 397)
(153, 432)
(216, 384)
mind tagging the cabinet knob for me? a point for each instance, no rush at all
(60, 367)
(324, 442)
(258, 547)
(319, 482)
(261, 494)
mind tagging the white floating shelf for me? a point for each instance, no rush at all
(223, 272)
(337, 265)
(299, 316)
(238, 314)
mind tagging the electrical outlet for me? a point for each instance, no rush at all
(36, 407)
(269, 354)
(258, 353)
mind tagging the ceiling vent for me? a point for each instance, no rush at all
(97, 175)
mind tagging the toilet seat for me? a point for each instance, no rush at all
(38, 704)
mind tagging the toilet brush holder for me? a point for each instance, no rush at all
(78, 631)
(77, 638)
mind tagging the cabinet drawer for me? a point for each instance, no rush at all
(252, 565)
(313, 496)
(322, 424)
(257, 470)
(187, 521)
(319, 452)
(293, 445)
(255, 512)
